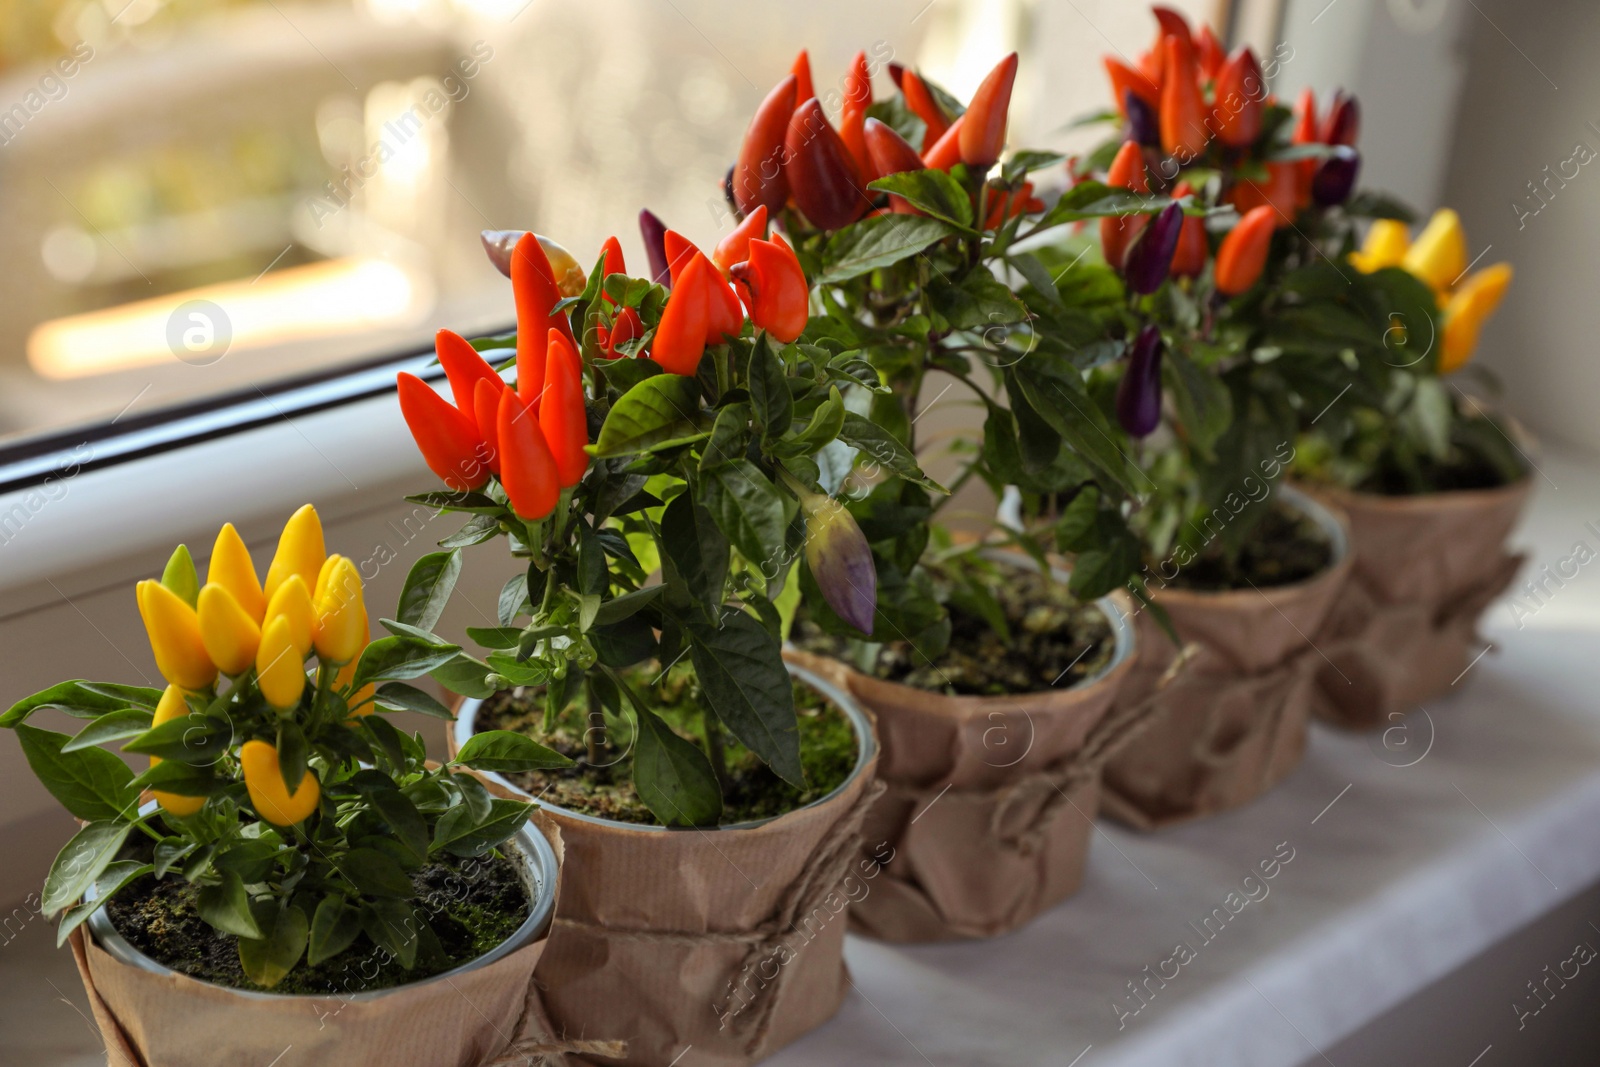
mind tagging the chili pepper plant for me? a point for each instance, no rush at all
(674, 423)
(288, 812)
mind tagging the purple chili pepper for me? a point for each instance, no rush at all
(1139, 392)
(840, 560)
(1149, 257)
(1344, 120)
(499, 243)
(654, 232)
(1336, 177)
(1143, 125)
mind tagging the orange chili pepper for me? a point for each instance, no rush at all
(627, 326)
(735, 248)
(1124, 80)
(1280, 191)
(562, 419)
(1173, 24)
(527, 469)
(486, 410)
(1118, 231)
(447, 439)
(533, 284)
(1243, 254)
(853, 112)
(1208, 50)
(680, 338)
(1190, 258)
(611, 256)
(680, 250)
(758, 177)
(774, 288)
(946, 151)
(983, 133)
(464, 368)
(1305, 132)
(1183, 110)
(891, 154)
(1240, 92)
(919, 98)
(802, 78)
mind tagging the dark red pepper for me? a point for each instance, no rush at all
(1139, 392)
(758, 174)
(823, 179)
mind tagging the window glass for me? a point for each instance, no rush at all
(204, 196)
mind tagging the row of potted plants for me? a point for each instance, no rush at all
(758, 688)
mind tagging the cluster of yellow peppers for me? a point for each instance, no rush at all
(1439, 258)
(235, 624)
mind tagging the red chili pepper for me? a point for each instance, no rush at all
(920, 99)
(774, 288)
(1240, 92)
(891, 154)
(1190, 258)
(561, 414)
(1173, 24)
(1124, 80)
(1118, 231)
(758, 175)
(680, 250)
(823, 178)
(1243, 254)
(1280, 192)
(724, 316)
(533, 285)
(464, 367)
(897, 74)
(946, 151)
(1305, 132)
(1009, 204)
(802, 78)
(983, 133)
(1183, 109)
(735, 248)
(680, 337)
(1343, 125)
(1152, 64)
(486, 410)
(1209, 51)
(611, 253)
(527, 469)
(447, 439)
(853, 111)
(627, 326)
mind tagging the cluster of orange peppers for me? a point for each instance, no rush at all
(791, 153)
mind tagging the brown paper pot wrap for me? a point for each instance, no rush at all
(473, 1016)
(1233, 722)
(727, 943)
(1405, 625)
(988, 812)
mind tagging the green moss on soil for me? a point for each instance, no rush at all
(1055, 642)
(828, 750)
(470, 905)
(1285, 547)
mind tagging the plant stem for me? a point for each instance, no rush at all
(594, 736)
(715, 750)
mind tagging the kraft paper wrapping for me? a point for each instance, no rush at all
(702, 948)
(473, 1019)
(1233, 723)
(1406, 624)
(990, 802)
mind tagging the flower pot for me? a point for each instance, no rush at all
(704, 946)
(1233, 723)
(470, 1016)
(988, 810)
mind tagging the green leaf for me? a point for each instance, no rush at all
(428, 588)
(226, 907)
(169, 852)
(981, 302)
(113, 726)
(1092, 199)
(1038, 276)
(293, 753)
(460, 833)
(513, 601)
(479, 528)
(80, 862)
(694, 558)
(198, 740)
(466, 676)
(402, 697)
(743, 680)
(618, 608)
(825, 424)
(334, 928)
(111, 881)
(880, 447)
(495, 636)
(507, 751)
(173, 776)
(91, 783)
(1201, 398)
(933, 191)
(471, 503)
(1062, 402)
(252, 860)
(747, 508)
(880, 241)
(769, 390)
(395, 926)
(401, 658)
(594, 578)
(267, 961)
(673, 777)
(81, 700)
(659, 412)
(405, 821)
(375, 874)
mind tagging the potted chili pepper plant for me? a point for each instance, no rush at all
(299, 875)
(990, 672)
(713, 809)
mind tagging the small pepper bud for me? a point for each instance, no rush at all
(1343, 125)
(501, 244)
(1336, 177)
(486, 411)
(654, 233)
(180, 577)
(1190, 258)
(1208, 51)
(1183, 110)
(680, 338)
(269, 793)
(840, 560)
(230, 635)
(1144, 126)
(1139, 392)
(1149, 257)
(280, 665)
(464, 368)
(174, 631)
(853, 113)
(1118, 231)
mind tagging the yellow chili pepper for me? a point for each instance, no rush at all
(1385, 246)
(172, 706)
(300, 551)
(1469, 307)
(232, 569)
(280, 665)
(268, 793)
(1439, 256)
(341, 616)
(347, 674)
(231, 636)
(292, 601)
(174, 631)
